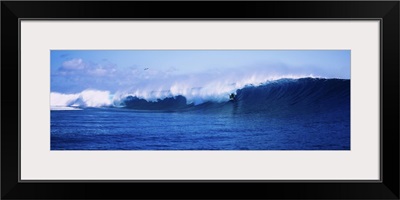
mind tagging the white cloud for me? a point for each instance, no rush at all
(98, 72)
(74, 64)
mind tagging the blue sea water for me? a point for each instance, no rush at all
(301, 114)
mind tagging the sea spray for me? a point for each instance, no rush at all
(87, 98)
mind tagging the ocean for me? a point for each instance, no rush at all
(287, 114)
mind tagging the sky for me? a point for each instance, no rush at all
(73, 71)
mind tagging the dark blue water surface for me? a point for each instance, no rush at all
(302, 114)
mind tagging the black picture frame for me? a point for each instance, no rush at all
(386, 11)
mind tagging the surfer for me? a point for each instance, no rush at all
(232, 97)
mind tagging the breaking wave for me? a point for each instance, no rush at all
(277, 96)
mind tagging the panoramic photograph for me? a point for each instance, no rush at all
(200, 100)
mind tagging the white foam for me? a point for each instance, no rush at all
(87, 98)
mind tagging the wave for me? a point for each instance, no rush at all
(277, 96)
(284, 95)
